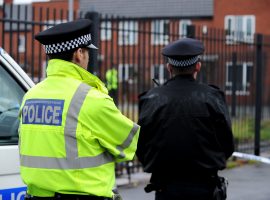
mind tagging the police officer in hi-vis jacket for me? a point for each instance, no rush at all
(71, 132)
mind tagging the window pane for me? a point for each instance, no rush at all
(157, 26)
(156, 72)
(11, 95)
(128, 34)
(183, 27)
(239, 28)
(229, 29)
(124, 73)
(249, 73)
(229, 74)
(106, 31)
(160, 32)
(249, 27)
(166, 28)
(239, 24)
(21, 45)
(239, 77)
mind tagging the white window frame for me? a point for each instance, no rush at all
(127, 77)
(21, 45)
(128, 33)
(237, 28)
(106, 31)
(161, 73)
(158, 36)
(245, 84)
(183, 24)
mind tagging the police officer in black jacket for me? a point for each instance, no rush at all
(186, 134)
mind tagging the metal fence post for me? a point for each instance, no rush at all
(191, 31)
(234, 83)
(258, 100)
(93, 61)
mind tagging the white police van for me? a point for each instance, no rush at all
(14, 82)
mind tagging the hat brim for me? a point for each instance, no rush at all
(91, 46)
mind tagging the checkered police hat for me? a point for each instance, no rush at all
(183, 52)
(66, 36)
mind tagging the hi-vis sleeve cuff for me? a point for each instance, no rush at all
(135, 129)
(128, 148)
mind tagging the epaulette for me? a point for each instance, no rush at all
(142, 94)
(217, 89)
(214, 86)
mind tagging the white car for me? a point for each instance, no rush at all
(14, 82)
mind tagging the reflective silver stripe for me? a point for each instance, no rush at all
(71, 161)
(65, 163)
(72, 121)
(128, 141)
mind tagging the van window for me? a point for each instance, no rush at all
(11, 95)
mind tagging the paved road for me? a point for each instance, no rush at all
(248, 182)
(135, 192)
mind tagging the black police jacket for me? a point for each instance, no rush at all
(185, 129)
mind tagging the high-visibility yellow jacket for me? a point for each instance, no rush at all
(111, 78)
(71, 134)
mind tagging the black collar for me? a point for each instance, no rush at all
(181, 77)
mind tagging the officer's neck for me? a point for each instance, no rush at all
(187, 74)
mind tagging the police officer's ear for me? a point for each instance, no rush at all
(169, 68)
(81, 57)
(198, 66)
(197, 69)
(78, 55)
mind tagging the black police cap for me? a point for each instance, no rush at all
(66, 36)
(183, 52)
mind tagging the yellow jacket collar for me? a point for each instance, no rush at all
(57, 67)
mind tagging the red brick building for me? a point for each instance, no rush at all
(134, 42)
(22, 22)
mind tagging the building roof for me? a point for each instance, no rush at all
(150, 8)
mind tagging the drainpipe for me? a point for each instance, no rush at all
(70, 9)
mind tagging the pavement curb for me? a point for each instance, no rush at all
(132, 181)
